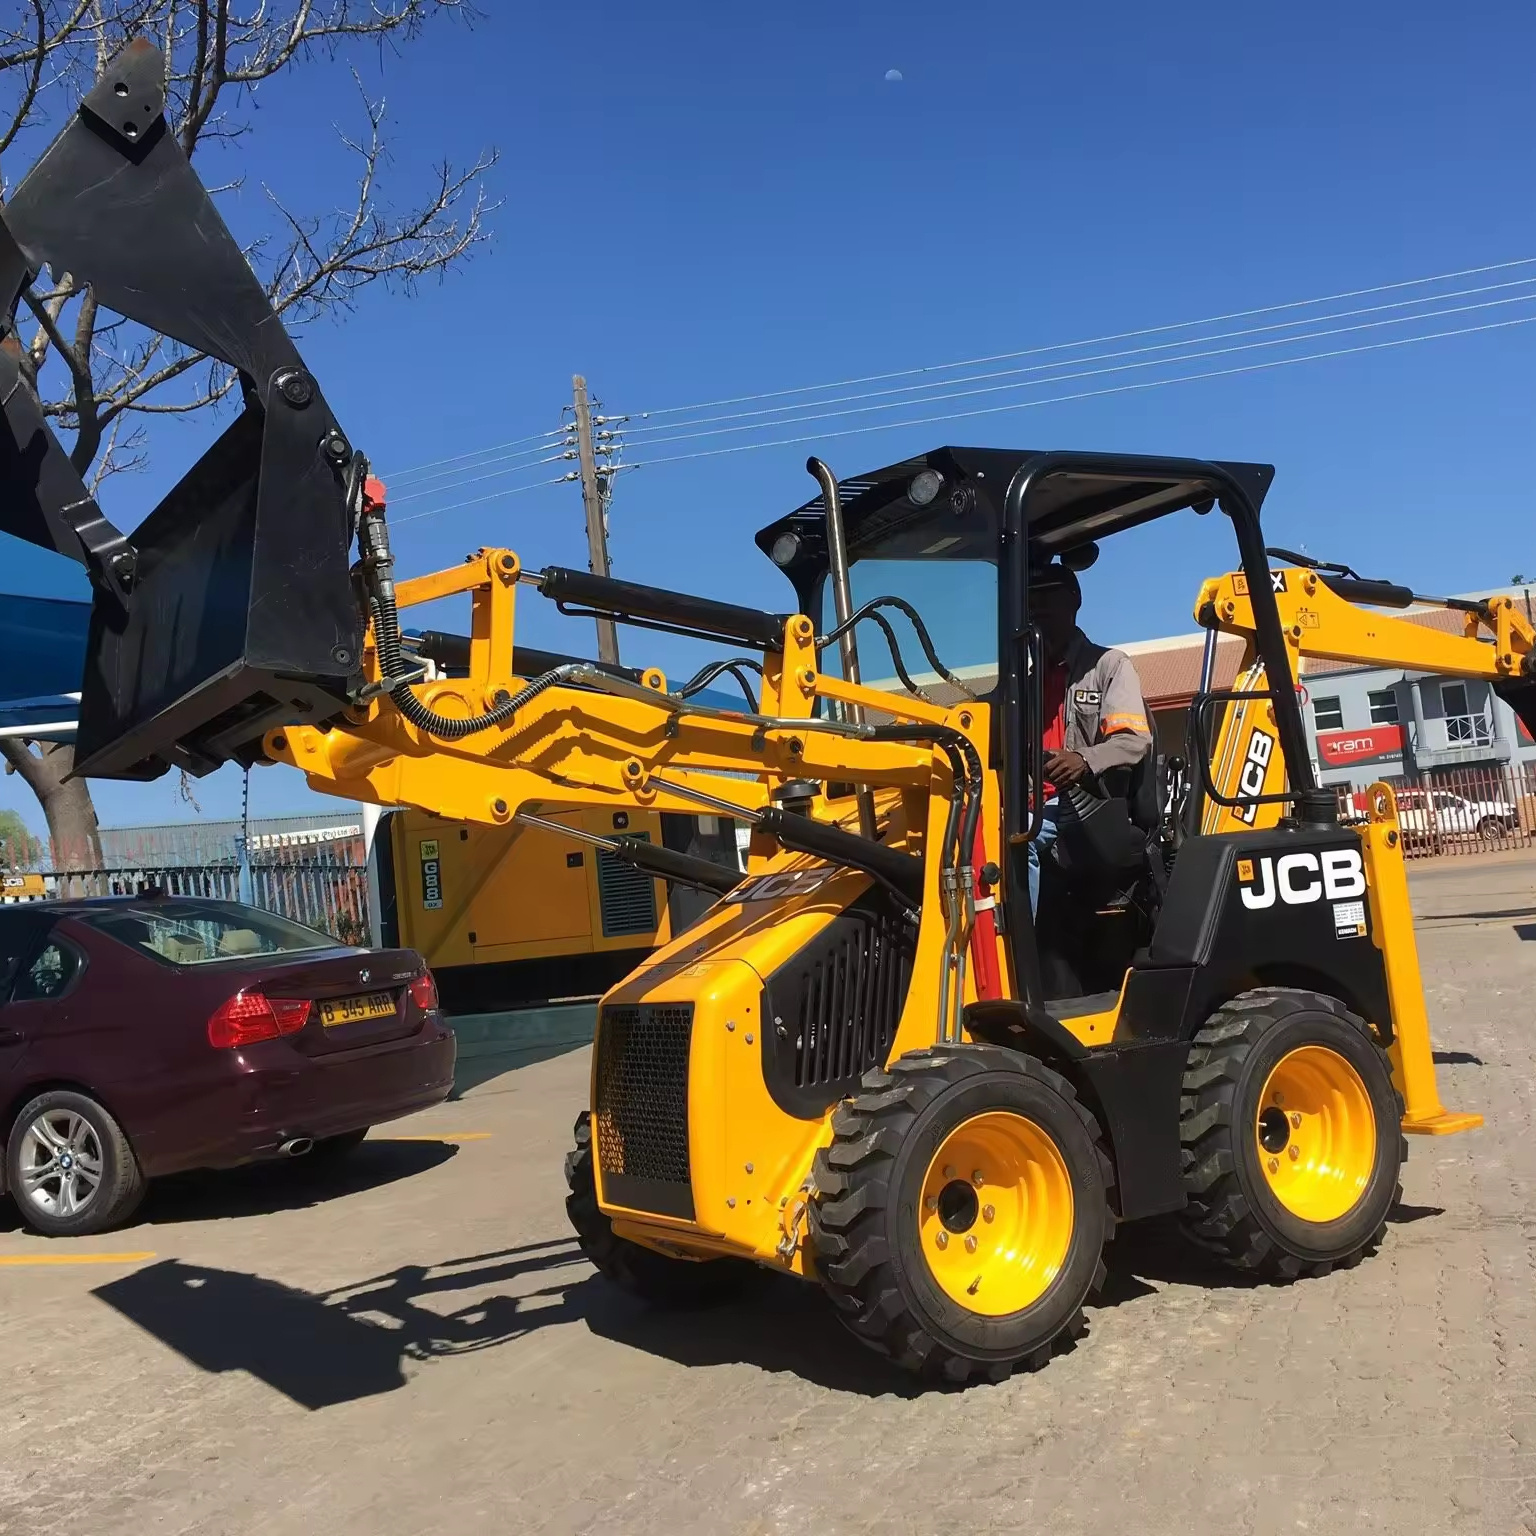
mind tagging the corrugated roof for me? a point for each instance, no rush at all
(1170, 674)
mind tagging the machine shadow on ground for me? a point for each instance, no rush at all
(320, 1349)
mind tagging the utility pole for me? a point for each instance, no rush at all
(595, 501)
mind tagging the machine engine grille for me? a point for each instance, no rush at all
(835, 1007)
(626, 896)
(641, 1101)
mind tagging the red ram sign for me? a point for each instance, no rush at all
(1341, 749)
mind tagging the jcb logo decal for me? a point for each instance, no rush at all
(1261, 747)
(1337, 874)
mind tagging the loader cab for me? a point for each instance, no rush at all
(956, 534)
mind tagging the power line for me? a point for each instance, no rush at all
(1153, 330)
(1086, 394)
(453, 485)
(1191, 350)
(405, 474)
(454, 473)
(992, 389)
(516, 490)
(789, 413)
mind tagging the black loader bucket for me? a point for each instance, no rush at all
(230, 610)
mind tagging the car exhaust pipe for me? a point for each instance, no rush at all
(296, 1146)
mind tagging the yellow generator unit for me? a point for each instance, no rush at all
(517, 915)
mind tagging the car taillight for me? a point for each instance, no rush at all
(424, 992)
(249, 1016)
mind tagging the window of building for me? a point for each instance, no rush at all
(1328, 714)
(1463, 726)
(1383, 706)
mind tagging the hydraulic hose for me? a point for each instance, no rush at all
(958, 877)
(378, 565)
(734, 666)
(870, 610)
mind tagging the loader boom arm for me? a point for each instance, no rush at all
(1337, 619)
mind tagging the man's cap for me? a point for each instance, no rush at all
(1047, 578)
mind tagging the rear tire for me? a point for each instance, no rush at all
(961, 1212)
(1291, 1132)
(69, 1166)
(661, 1281)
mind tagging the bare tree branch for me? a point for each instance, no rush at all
(33, 79)
(100, 375)
(219, 52)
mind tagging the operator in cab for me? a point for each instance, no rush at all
(1095, 717)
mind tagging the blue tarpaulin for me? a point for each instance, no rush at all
(42, 654)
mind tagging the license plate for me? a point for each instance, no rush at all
(348, 1010)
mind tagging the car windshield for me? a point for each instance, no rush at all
(205, 932)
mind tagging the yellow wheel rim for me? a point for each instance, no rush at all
(1316, 1134)
(996, 1221)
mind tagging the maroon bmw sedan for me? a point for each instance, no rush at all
(145, 1036)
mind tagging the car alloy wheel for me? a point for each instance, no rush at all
(60, 1163)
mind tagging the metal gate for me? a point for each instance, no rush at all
(1457, 811)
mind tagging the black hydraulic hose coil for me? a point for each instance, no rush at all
(373, 537)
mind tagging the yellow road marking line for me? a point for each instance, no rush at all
(18, 1259)
(443, 1136)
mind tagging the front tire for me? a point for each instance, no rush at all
(69, 1166)
(665, 1283)
(961, 1212)
(1291, 1132)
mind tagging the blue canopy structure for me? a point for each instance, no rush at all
(42, 655)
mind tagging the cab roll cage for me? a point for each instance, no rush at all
(1199, 484)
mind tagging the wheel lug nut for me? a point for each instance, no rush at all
(931, 1203)
(1295, 1153)
(1274, 1165)
(978, 1178)
(1279, 1098)
(942, 1240)
(970, 1245)
(1296, 1120)
(949, 1170)
(987, 1213)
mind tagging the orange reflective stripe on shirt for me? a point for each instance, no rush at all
(1112, 723)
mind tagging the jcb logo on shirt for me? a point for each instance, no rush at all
(1336, 874)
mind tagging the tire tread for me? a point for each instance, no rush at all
(1218, 1216)
(852, 1181)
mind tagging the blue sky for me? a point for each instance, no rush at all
(702, 202)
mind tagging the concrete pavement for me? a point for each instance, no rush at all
(416, 1346)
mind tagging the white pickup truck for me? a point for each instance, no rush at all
(1432, 816)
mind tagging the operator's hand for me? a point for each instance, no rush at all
(1066, 767)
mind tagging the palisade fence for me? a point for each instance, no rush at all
(322, 884)
(1456, 811)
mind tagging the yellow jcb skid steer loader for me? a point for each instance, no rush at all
(865, 1064)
